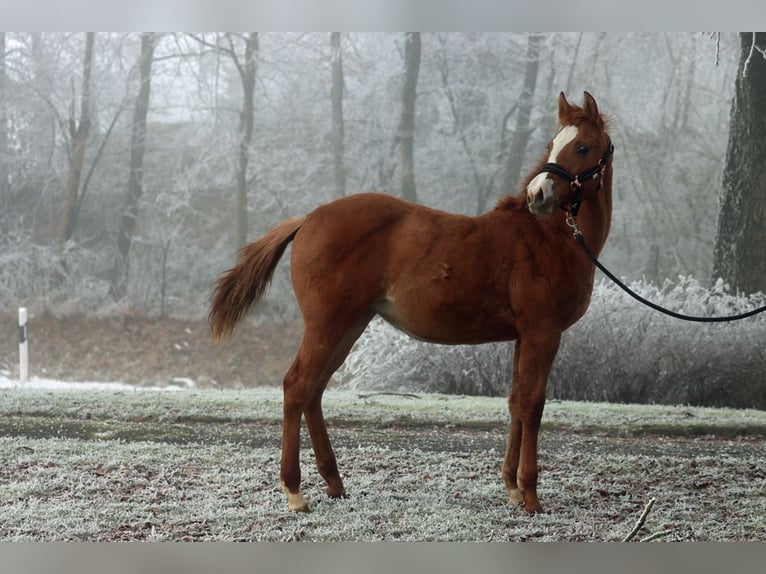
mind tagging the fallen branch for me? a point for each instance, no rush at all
(641, 521)
(407, 395)
(656, 535)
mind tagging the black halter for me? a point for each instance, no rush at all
(577, 181)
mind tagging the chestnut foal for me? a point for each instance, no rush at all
(514, 273)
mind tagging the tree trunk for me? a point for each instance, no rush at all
(78, 134)
(483, 188)
(573, 65)
(118, 288)
(406, 130)
(518, 147)
(4, 159)
(740, 247)
(247, 72)
(336, 95)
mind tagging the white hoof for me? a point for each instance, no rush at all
(515, 496)
(295, 501)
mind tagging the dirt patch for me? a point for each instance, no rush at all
(146, 351)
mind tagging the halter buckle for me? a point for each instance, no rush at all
(572, 222)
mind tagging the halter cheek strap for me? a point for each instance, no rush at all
(577, 181)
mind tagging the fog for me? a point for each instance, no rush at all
(669, 96)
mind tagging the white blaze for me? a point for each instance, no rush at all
(541, 182)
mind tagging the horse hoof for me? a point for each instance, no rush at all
(515, 496)
(336, 492)
(295, 501)
(534, 508)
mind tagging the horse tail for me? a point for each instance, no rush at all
(244, 284)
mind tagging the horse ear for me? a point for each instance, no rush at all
(590, 107)
(564, 109)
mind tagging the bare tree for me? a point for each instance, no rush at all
(4, 172)
(118, 286)
(245, 61)
(482, 183)
(518, 146)
(78, 135)
(739, 254)
(247, 69)
(406, 132)
(338, 128)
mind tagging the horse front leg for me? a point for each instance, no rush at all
(513, 450)
(533, 358)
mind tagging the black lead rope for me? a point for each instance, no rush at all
(576, 181)
(581, 240)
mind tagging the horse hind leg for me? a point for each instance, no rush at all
(292, 408)
(317, 359)
(320, 441)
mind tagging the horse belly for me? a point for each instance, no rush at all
(434, 321)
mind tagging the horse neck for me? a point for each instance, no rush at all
(595, 217)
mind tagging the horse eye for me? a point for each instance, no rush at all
(581, 150)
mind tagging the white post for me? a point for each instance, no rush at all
(23, 349)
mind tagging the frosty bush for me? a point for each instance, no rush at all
(164, 280)
(620, 351)
(387, 359)
(26, 278)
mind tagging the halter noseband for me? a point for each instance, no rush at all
(577, 181)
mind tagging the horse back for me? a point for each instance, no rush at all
(438, 276)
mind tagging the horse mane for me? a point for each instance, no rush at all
(519, 201)
(510, 202)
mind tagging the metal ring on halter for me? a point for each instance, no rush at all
(572, 222)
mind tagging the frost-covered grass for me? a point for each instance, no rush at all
(213, 484)
(620, 351)
(368, 407)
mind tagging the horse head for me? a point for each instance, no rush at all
(577, 157)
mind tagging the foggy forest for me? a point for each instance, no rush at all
(133, 167)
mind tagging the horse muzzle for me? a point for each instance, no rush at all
(541, 196)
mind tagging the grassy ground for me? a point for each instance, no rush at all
(203, 465)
